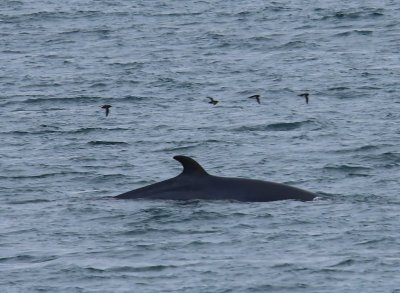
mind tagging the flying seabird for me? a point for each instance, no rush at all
(257, 97)
(107, 107)
(212, 101)
(305, 95)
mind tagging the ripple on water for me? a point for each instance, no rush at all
(283, 126)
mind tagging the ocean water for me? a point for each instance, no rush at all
(155, 62)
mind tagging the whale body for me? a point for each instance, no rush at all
(195, 183)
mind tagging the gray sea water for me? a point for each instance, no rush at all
(155, 62)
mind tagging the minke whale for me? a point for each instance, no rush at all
(195, 183)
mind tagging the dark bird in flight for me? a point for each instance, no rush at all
(305, 95)
(212, 101)
(107, 107)
(257, 97)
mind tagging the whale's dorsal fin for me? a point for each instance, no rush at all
(190, 166)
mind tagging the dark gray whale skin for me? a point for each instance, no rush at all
(195, 183)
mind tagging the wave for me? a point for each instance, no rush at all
(286, 126)
(346, 262)
(282, 126)
(102, 142)
(87, 130)
(293, 45)
(68, 100)
(177, 148)
(339, 88)
(176, 14)
(57, 14)
(21, 132)
(82, 99)
(358, 32)
(124, 269)
(359, 171)
(364, 148)
(128, 64)
(53, 129)
(18, 258)
(144, 268)
(95, 129)
(135, 98)
(183, 145)
(45, 175)
(29, 201)
(354, 15)
(386, 159)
